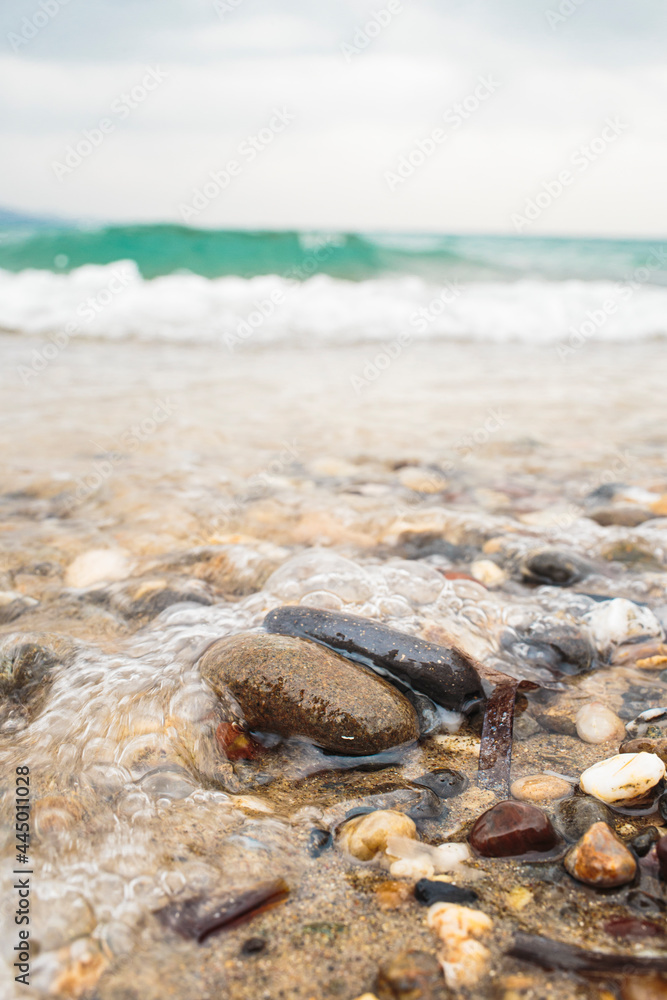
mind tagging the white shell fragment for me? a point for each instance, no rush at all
(624, 777)
(413, 859)
(652, 723)
(463, 957)
(614, 622)
(598, 724)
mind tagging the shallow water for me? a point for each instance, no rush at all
(266, 479)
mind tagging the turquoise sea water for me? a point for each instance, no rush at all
(212, 253)
(168, 282)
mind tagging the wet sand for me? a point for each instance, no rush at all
(308, 489)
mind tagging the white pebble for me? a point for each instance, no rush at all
(422, 480)
(413, 859)
(464, 959)
(623, 777)
(364, 836)
(618, 621)
(97, 566)
(488, 573)
(541, 787)
(598, 724)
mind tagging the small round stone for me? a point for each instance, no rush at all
(646, 745)
(643, 902)
(364, 836)
(318, 841)
(598, 724)
(97, 566)
(390, 895)
(253, 946)
(540, 788)
(573, 816)
(650, 987)
(445, 782)
(512, 829)
(644, 841)
(622, 778)
(661, 854)
(410, 975)
(600, 859)
(488, 573)
(662, 806)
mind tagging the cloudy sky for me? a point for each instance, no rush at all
(322, 113)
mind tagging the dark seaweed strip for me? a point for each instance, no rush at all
(446, 675)
(495, 752)
(199, 916)
(550, 954)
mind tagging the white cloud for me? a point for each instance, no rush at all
(352, 122)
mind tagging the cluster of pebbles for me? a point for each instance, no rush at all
(258, 764)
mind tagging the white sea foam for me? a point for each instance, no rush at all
(115, 302)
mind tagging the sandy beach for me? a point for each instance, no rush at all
(158, 497)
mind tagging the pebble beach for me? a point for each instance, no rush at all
(506, 501)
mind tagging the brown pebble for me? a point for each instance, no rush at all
(540, 788)
(644, 745)
(390, 895)
(661, 855)
(651, 987)
(557, 721)
(512, 829)
(600, 859)
(625, 516)
(411, 975)
(294, 687)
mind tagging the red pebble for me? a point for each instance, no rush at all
(661, 854)
(235, 743)
(512, 829)
(451, 574)
(630, 927)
